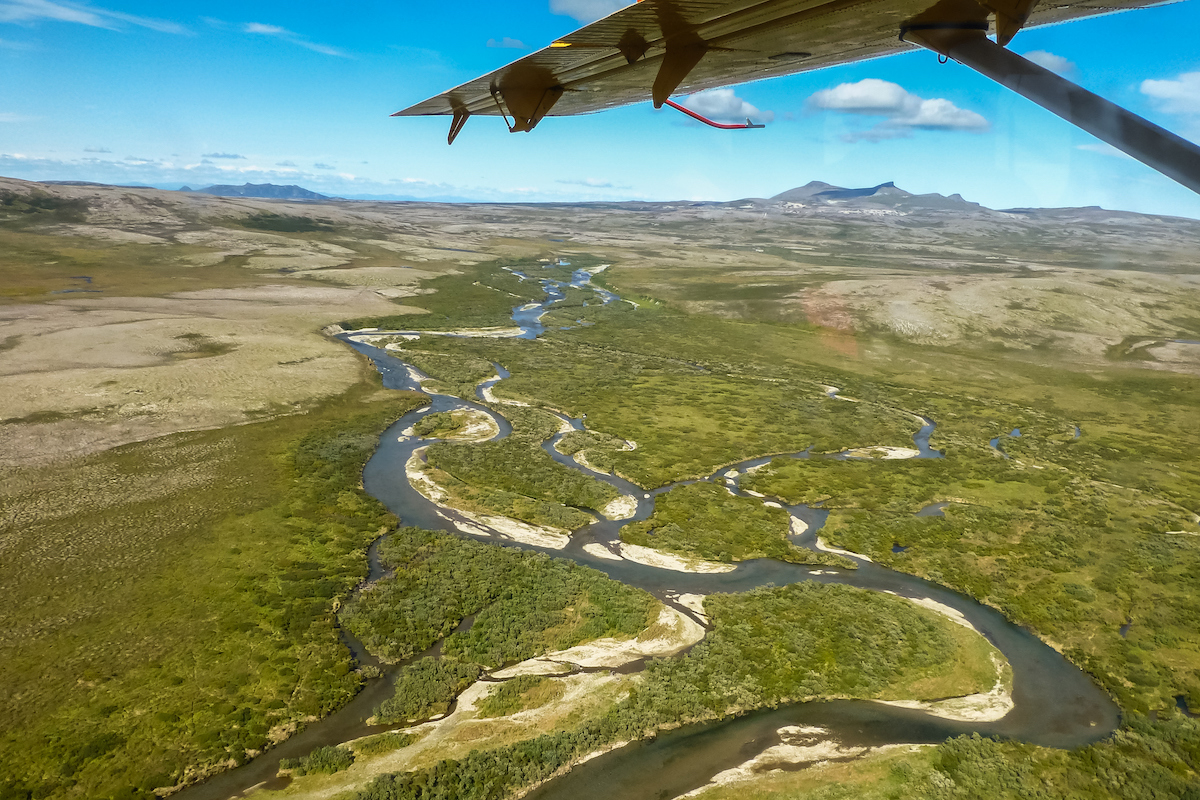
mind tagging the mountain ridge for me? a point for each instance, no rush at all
(266, 191)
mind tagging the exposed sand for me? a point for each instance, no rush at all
(673, 632)
(692, 602)
(499, 527)
(883, 453)
(797, 526)
(822, 545)
(657, 558)
(420, 479)
(952, 614)
(600, 551)
(621, 508)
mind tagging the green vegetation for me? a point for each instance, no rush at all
(39, 208)
(1069, 536)
(703, 520)
(452, 374)
(199, 345)
(481, 296)
(322, 761)
(1071, 558)
(284, 223)
(382, 744)
(521, 467)
(687, 419)
(34, 265)
(515, 477)
(766, 646)
(520, 694)
(524, 603)
(425, 689)
(439, 425)
(165, 615)
(155, 576)
(810, 640)
(598, 449)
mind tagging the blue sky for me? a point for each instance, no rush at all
(301, 92)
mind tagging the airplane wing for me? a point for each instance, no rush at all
(657, 48)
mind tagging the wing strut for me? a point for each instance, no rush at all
(1173, 156)
(738, 127)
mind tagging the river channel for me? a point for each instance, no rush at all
(1054, 703)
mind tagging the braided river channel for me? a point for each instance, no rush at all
(1054, 703)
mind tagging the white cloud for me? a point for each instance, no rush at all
(96, 150)
(869, 96)
(267, 30)
(29, 166)
(262, 29)
(941, 114)
(1178, 96)
(1050, 61)
(903, 111)
(223, 155)
(507, 43)
(586, 10)
(723, 105)
(37, 10)
(591, 183)
(10, 117)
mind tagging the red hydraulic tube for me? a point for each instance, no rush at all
(738, 127)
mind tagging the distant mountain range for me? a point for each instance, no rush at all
(264, 190)
(821, 193)
(816, 198)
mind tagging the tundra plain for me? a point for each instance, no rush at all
(183, 524)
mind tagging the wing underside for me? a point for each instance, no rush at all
(617, 60)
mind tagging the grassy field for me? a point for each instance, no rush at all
(170, 604)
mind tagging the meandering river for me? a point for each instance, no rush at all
(1054, 703)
